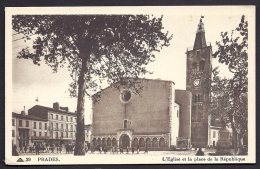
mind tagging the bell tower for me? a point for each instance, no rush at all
(198, 78)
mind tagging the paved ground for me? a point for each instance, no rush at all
(151, 153)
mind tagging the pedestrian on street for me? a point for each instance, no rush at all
(100, 149)
(21, 149)
(121, 150)
(138, 149)
(127, 150)
(47, 148)
(146, 150)
(60, 148)
(25, 149)
(14, 151)
(133, 149)
(200, 152)
(53, 147)
(37, 148)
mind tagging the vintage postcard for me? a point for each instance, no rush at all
(130, 85)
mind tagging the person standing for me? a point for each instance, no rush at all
(133, 149)
(37, 148)
(60, 148)
(146, 150)
(21, 149)
(138, 149)
(47, 148)
(14, 151)
(53, 147)
(127, 150)
(121, 150)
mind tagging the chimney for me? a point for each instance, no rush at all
(23, 113)
(56, 106)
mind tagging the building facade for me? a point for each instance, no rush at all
(27, 129)
(198, 79)
(124, 119)
(61, 124)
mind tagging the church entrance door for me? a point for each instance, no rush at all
(125, 141)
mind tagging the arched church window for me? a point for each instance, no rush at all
(197, 98)
(194, 66)
(125, 124)
(202, 64)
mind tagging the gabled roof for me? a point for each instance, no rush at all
(111, 85)
(39, 108)
(28, 117)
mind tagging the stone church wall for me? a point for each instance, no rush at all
(146, 114)
(183, 97)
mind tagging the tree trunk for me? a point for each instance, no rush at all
(240, 146)
(234, 131)
(80, 135)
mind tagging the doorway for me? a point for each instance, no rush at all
(125, 141)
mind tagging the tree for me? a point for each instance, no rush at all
(110, 48)
(233, 52)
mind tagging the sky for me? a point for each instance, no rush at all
(30, 81)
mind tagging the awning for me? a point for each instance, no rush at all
(37, 141)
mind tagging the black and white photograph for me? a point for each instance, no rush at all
(130, 85)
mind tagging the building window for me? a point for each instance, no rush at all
(20, 123)
(125, 124)
(202, 65)
(66, 126)
(40, 125)
(197, 98)
(214, 134)
(27, 123)
(34, 125)
(198, 52)
(51, 116)
(52, 126)
(61, 117)
(67, 134)
(194, 66)
(57, 117)
(40, 134)
(34, 133)
(76, 127)
(76, 120)
(61, 126)
(13, 133)
(45, 134)
(61, 135)
(71, 119)
(71, 135)
(71, 127)
(57, 126)
(13, 122)
(67, 118)
(57, 135)
(45, 126)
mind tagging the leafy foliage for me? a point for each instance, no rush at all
(230, 96)
(96, 48)
(116, 46)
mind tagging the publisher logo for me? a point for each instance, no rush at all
(20, 160)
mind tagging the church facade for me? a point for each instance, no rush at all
(161, 117)
(122, 118)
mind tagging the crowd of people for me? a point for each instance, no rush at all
(114, 150)
(69, 149)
